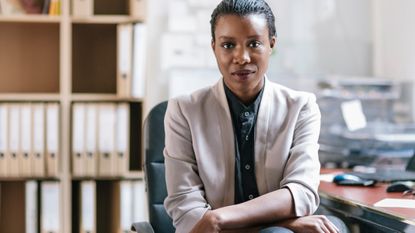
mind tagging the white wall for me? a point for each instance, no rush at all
(179, 40)
(315, 39)
(394, 53)
(322, 37)
(156, 19)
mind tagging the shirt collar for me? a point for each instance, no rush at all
(237, 106)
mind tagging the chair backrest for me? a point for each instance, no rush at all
(154, 169)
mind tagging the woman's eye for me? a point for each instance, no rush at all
(254, 44)
(228, 45)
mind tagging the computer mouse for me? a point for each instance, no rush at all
(345, 176)
(353, 180)
(400, 186)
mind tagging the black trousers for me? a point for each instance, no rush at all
(336, 221)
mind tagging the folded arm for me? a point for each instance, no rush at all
(298, 195)
(265, 209)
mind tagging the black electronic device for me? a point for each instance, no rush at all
(352, 180)
(400, 186)
(391, 175)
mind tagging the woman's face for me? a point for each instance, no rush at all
(242, 49)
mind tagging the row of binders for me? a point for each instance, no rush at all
(35, 203)
(29, 139)
(17, 7)
(131, 60)
(100, 139)
(125, 199)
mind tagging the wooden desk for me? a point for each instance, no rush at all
(358, 203)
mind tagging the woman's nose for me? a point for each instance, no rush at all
(241, 56)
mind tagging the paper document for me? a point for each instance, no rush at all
(353, 115)
(396, 137)
(396, 202)
(327, 177)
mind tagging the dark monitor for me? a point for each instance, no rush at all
(410, 166)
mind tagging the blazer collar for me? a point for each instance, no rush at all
(261, 136)
(227, 148)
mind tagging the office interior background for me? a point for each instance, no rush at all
(77, 79)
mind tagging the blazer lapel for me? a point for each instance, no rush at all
(261, 137)
(226, 147)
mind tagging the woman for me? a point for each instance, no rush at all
(242, 155)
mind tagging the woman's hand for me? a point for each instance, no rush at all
(310, 224)
(208, 224)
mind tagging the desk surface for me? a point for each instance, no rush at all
(358, 202)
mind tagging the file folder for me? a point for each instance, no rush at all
(106, 139)
(38, 155)
(126, 200)
(4, 136)
(50, 207)
(14, 140)
(88, 207)
(124, 59)
(91, 140)
(139, 61)
(122, 138)
(83, 8)
(52, 139)
(31, 207)
(25, 168)
(140, 208)
(78, 139)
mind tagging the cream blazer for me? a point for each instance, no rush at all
(200, 152)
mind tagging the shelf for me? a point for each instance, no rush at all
(29, 97)
(29, 58)
(9, 179)
(107, 19)
(64, 59)
(132, 176)
(102, 98)
(94, 58)
(12, 208)
(111, 7)
(30, 18)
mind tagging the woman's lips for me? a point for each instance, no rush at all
(242, 74)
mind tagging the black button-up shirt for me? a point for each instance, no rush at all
(244, 119)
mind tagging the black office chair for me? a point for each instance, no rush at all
(154, 171)
(160, 222)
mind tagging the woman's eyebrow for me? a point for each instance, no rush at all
(226, 37)
(232, 38)
(255, 36)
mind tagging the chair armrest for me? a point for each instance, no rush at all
(142, 227)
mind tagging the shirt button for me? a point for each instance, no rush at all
(251, 197)
(246, 114)
(247, 167)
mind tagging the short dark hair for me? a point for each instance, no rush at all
(243, 8)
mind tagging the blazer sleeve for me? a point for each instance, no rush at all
(301, 174)
(185, 202)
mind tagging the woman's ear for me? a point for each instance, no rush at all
(212, 43)
(272, 43)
